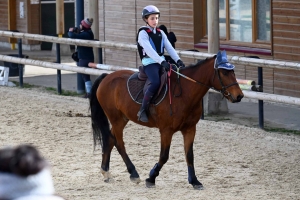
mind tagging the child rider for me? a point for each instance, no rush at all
(151, 43)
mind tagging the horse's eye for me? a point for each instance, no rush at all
(225, 72)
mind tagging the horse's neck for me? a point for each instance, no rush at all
(193, 92)
(203, 75)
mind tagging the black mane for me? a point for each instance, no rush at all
(200, 62)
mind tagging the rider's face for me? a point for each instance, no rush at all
(153, 20)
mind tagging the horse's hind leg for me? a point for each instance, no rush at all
(106, 152)
(117, 131)
(188, 137)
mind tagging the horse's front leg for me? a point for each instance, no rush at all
(166, 138)
(188, 137)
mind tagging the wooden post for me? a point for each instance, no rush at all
(60, 29)
(213, 103)
(12, 21)
(60, 18)
(93, 13)
(28, 17)
(79, 16)
(213, 26)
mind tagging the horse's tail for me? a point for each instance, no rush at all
(100, 123)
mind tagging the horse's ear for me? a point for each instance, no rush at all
(224, 55)
(219, 55)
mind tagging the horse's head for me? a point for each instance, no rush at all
(226, 82)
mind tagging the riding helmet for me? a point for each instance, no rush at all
(149, 10)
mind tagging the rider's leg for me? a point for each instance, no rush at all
(152, 72)
(142, 114)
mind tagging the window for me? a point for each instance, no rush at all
(240, 21)
(244, 22)
(263, 20)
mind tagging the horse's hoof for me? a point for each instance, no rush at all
(198, 187)
(149, 184)
(135, 180)
(107, 176)
(108, 180)
(135, 177)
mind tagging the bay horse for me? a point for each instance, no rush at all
(111, 105)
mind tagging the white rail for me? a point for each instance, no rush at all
(248, 94)
(27, 61)
(131, 47)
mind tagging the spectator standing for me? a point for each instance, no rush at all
(85, 54)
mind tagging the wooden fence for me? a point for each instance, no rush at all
(260, 63)
(131, 47)
(264, 63)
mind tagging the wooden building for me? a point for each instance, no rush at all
(268, 29)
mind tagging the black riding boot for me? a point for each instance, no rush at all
(142, 114)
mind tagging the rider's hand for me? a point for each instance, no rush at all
(165, 65)
(180, 64)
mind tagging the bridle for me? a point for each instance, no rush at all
(223, 90)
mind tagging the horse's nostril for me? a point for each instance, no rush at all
(239, 98)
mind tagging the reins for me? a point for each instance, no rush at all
(169, 83)
(223, 91)
(177, 83)
(190, 79)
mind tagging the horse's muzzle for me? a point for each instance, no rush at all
(238, 98)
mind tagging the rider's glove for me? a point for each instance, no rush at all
(165, 65)
(180, 64)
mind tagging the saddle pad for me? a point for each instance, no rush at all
(135, 88)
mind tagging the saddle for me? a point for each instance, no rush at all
(138, 83)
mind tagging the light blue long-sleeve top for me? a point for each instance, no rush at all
(153, 57)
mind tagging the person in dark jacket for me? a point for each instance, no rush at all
(85, 54)
(172, 39)
(171, 35)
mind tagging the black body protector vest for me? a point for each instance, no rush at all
(155, 40)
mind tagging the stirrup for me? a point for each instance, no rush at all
(142, 116)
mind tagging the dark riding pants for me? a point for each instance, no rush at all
(152, 71)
